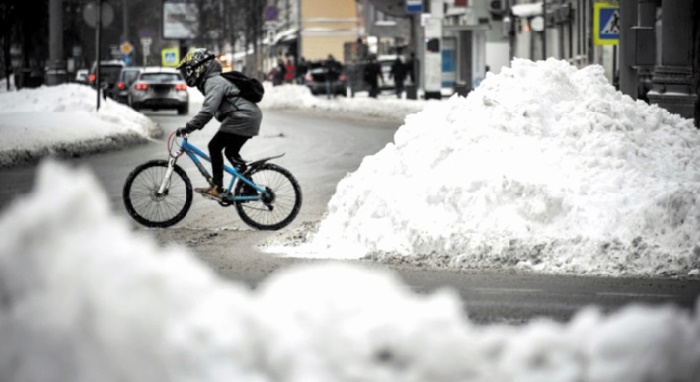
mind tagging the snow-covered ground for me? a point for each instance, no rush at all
(75, 309)
(543, 167)
(62, 121)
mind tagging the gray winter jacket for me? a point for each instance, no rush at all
(237, 115)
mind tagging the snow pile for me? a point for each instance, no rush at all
(299, 97)
(75, 309)
(62, 120)
(543, 167)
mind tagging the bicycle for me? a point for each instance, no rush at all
(158, 193)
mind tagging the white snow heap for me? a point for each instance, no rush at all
(287, 97)
(78, 101)
(543, 167)
(61, 121)
(84, 298)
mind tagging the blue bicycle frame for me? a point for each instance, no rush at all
(193, 153)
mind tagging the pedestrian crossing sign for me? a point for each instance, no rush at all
(606, 24)
(170, 57)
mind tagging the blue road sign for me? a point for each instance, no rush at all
(414, 6)
(606, 24)
(271, 12)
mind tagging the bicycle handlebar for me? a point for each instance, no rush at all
(171, 143)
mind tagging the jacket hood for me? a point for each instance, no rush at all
(213, 69)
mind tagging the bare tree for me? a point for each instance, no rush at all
(254, 32)
(7, 18)
(24, 25)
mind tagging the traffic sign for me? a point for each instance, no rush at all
(146, 48)
(606, 24)
(90, 13)
(271, 12)
(170, 57)
(146, 33)
(414, 6)
(126, 48)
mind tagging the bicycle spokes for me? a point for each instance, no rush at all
(156, 199)
(277, 206)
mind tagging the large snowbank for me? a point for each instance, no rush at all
(61, 120)
(543, 167)
(84, 298)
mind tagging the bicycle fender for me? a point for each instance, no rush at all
(260, 162)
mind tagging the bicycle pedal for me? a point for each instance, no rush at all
(211, 197)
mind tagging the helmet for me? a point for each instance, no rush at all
(192, 66)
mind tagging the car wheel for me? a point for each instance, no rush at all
(184, 109)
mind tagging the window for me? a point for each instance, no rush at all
(161, 77)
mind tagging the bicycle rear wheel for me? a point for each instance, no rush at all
(278, 207)
(149, 208)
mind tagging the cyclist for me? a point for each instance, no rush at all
(240, 119)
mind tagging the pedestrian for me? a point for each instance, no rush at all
(280, 72)
(372, 74)
(302, 68)
(333, 69)
(411, 68)
(289, 71)
(240, 119)
(398, 73)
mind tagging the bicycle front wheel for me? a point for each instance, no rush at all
(146, 205)
(278, 206)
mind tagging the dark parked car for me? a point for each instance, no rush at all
(355, 71)
(316, 79)
(127, 77)
(159, 88)
(109, 76)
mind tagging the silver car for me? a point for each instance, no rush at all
(159, 88)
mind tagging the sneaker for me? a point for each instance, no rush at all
(210, 192)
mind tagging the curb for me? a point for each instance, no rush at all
(20, 157)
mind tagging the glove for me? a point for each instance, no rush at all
(183, 131)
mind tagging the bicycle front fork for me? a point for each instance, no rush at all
(166, 178)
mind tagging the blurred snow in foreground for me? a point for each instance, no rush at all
(84, 298)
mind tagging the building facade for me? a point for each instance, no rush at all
(312, 29)
(477, 36)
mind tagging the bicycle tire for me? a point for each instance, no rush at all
(285, 204)
(150, 210)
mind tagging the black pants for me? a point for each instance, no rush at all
(399, 88)
(231, 144)
(373, 89)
